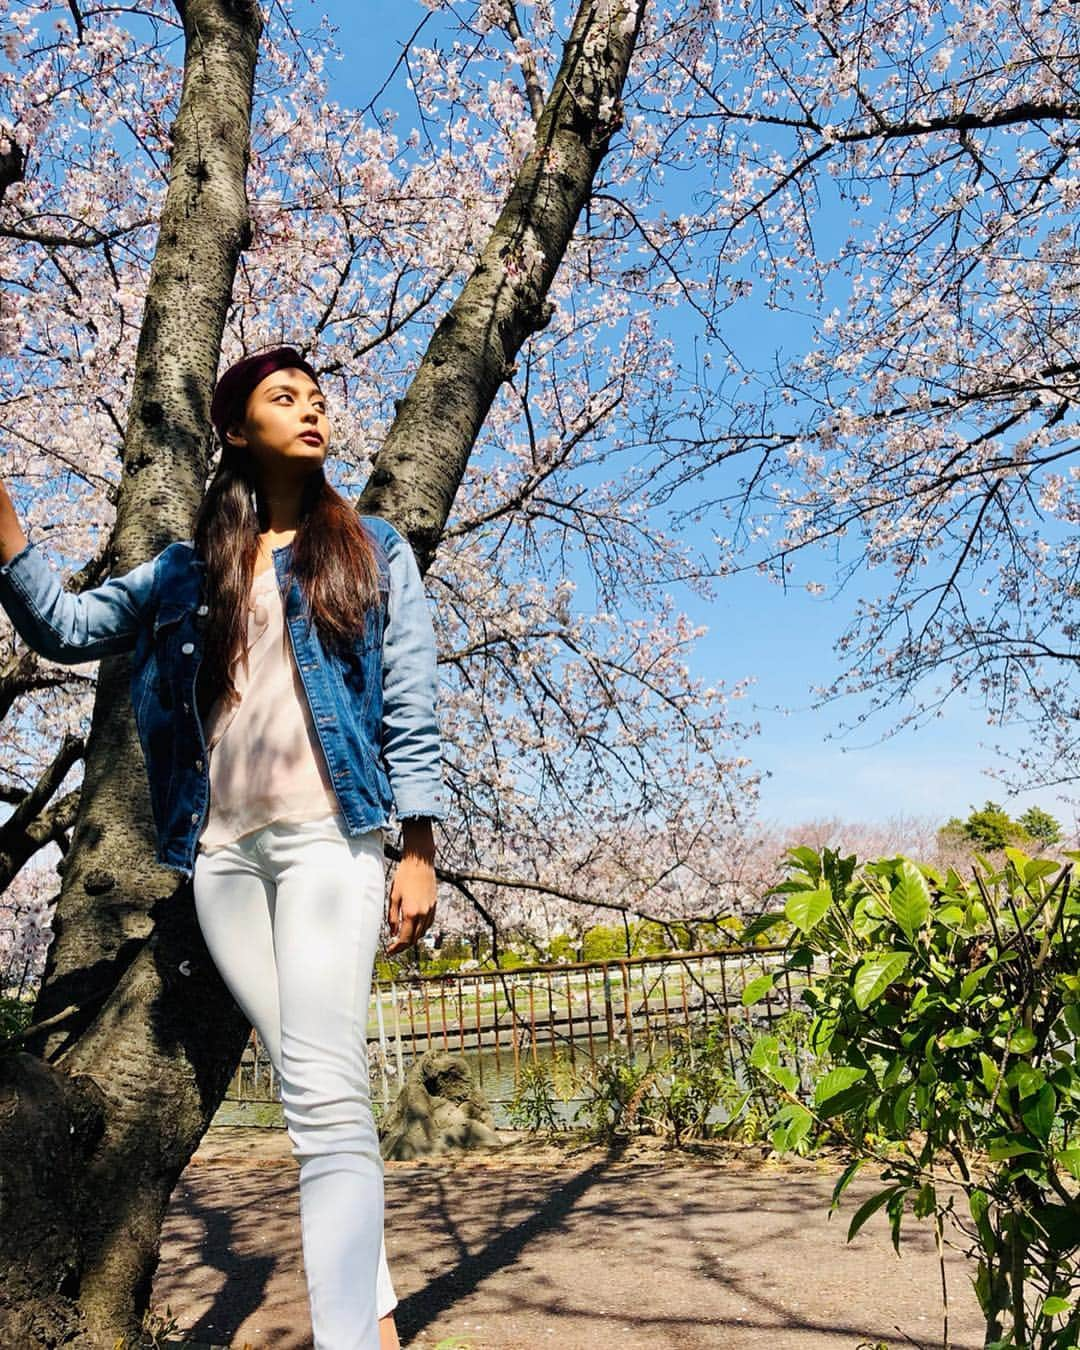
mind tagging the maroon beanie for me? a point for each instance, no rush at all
(232, 390)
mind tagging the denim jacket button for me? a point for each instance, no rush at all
(198, 763)
(194, 817)
(188, 648)
(203, 609)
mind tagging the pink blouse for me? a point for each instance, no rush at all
(266, 762)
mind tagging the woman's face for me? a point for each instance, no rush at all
(285, 426)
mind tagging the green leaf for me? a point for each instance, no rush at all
(1019, 860)
(762, 924)
(1025, 1079)
(870, 1208)
(910, 900)
(757, 989)
(982, 1287)
(895, 1211)
(765, 1052)
(1038, 868)
(787, 1078)
(901, 1108)
(793, 1125)
(990, 1071)
(852, 1099)
(808, 859)
(1039, 1117)
(806, 909)
(958, 1038)
(822, 1030)
(799, 1128)
(1011, 1146)
(979, 1203)
(835, 1081)
(1055, 1306)
(972, 981)
(876, 974)
(1023, 1041)
(1069, 1158)
(845, 1180)
(799, 882)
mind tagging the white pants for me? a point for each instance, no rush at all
(291, 914)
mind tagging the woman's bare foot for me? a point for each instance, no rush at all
(388, 1337)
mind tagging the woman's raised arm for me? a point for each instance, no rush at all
(58, 625)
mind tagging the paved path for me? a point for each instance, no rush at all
(573, 1248)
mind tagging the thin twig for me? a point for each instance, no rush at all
(944, 1282)
(17, 1036)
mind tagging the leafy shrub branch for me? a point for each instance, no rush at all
(949, 1010)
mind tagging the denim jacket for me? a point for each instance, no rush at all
(374, 712)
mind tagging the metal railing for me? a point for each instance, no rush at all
(500, 1018)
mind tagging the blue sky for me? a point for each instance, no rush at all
(782, 639)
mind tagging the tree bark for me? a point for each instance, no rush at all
(120, 1092)
(110, 878)
(37, 819)
(421, 463)
(100, 1117)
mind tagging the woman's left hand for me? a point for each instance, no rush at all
(412, 893)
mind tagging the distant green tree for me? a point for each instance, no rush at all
(1040, 825)
(988, 829)
(562, 948)
(604, 942)
(649, 938)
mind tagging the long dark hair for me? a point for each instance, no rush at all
(333, 558)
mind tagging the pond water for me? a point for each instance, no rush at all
(496, 1079)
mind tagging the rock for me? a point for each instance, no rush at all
(440, 1108)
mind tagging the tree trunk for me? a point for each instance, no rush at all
(472, 351)
(99, 1119)
(95, 1132)
(110, 879)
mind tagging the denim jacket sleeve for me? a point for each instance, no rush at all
(70, 628)
(412, 753)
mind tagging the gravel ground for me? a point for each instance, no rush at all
(568, 1246)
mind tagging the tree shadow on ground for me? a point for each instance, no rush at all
(245, 1277)
(416, 1311)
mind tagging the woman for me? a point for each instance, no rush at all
(275, 755)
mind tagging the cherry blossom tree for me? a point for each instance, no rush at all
(144, 233)
(531, 300)
(358, 241)
(900, 185)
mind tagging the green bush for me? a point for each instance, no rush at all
(533, 1104)
(603, 942)
(951, 1013)
(617, 1090)
(675, 1091)
(15, 1014)
(695, 1078)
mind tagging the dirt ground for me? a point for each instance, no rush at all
(565, 1246)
